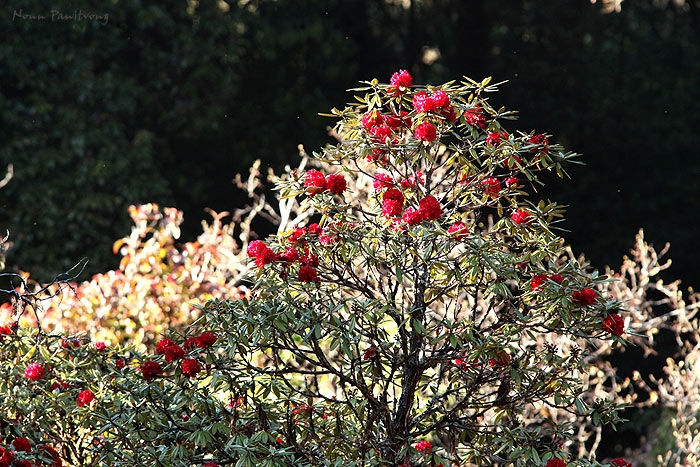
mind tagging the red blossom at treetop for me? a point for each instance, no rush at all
(85, 397)
(400, 82)
(423, 103)
(430, 208)
(614, 324)
(34, 371)
(584, 297)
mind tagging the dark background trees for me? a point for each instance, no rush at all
(166, 102)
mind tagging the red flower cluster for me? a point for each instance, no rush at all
(425, 132)
(392, 202)
(190, 367)
(538, 280)
(614, 324)
(151, 369)
(413, 181)
(424, 446)
(34, 371)
(620, 462)
(400, 82)
(430, 207)
(21, 444)
(554, 462)
(315, 183)
(502, 358)
(262, 253)
(495, 137)
(6, 457)
(521, 216)
(382, 181)
(85, 397)
(584, 297)
(475, 117)
(492, 186)
(541, 142)
(458, 230)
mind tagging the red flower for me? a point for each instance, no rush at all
(190, 367)
(206, 340)
(493, 138)
(458, 230)
(614, 324)
(309, 260)
(54, 454)
(163, 344)
(100, 346)
(256, 248)
(400, 82)
(336, 183)
(307, 274)
(173, 352)
(5, 330)
(426, 132)
(539, 140)
(381, 181)
(370, 352)
(150, 370)
(34, 371)
(511, 182)
(413, 180)
(430, 208)
(475, 117)
(210, 464)
(372, 119)
(491, 185)
(6, 457)
(440, 98)
(85, 397)
(315, 182)
(315, 229)
(291, 255)
(423, 103)
(558, 278)
(412, 216)
(119, 364)
(620, 462)
(584, 297)
(392, 202)
(381, 133)
(501, 359)
(22, 463)
(21, 444)
(424, 446)
(554, 462)
(521, 217)
(537, 281)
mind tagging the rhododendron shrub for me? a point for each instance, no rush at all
(413, 325)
